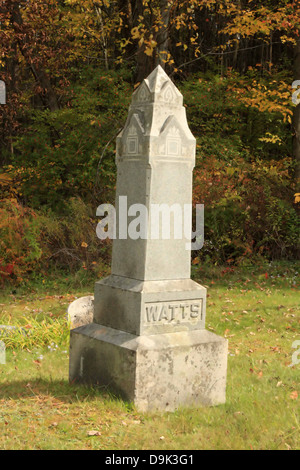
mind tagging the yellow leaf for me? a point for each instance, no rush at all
(149, 51)
(135, 33)
(84, 245)
(297, 197)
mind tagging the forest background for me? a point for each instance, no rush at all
(70, 68)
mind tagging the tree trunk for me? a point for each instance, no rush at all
(296, 115)
(163, 34)
(145, 64)
(48, 96)
(103, 37)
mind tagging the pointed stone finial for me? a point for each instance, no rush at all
(156, 127)
(157, 88)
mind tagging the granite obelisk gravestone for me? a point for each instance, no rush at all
(148, 340)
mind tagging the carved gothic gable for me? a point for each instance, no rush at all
(142, 94)
(133, 137)
(169, 94)
(172, 138)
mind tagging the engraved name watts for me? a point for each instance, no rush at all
(180, 311)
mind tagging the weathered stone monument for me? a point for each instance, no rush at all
(148, 340)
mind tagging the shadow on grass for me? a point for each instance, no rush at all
(62, 390)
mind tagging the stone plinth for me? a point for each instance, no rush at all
(155, 372)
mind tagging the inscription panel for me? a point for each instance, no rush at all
(173, 312)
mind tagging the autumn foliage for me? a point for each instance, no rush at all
(70, 68)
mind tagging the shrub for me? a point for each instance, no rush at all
(71, 152)
(19, 248)
(38, 241)
(249, 210)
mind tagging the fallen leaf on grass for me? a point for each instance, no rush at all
(294, 395)
(133, 421)
(94, 433)
(259, 373)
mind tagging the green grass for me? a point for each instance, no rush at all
(258, 313)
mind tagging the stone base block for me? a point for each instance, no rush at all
(155, 372)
